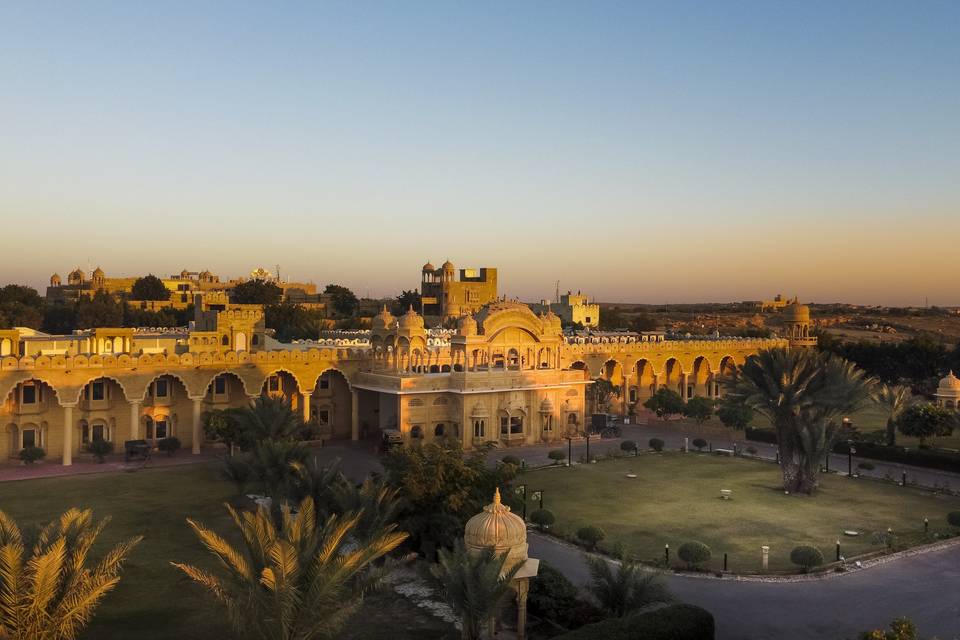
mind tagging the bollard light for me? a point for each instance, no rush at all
(838, 550)
(926, 525)
(666, 553)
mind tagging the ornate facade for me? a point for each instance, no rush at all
(504, 375)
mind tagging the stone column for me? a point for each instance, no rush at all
(523, 586)
(683, 387)
(355, 415)
(305, 401)
(68, 435)
(197, 428)
(625, 395)
(134, 419)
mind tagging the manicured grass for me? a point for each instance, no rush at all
(153, 601)
(676, 498)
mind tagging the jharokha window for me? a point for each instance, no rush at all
(29, 394)
(479, 429)
(511, 425)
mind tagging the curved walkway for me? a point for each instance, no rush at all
(923, 587)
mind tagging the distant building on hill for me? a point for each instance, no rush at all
(572, 308)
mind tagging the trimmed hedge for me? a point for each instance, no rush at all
(926, 458)
(954, 518)
(673, 622)
(656, 444)
(806, 557)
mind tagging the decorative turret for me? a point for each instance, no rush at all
(500, 529)
(411, 320)
(383, 321)
(466, 326)
(98, 279)
(55, 280)
(796, 320)
(76, 277)
(948, 392)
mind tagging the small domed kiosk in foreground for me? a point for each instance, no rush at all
(505, 532)
(948, 392)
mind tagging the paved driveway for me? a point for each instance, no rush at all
(924, 587)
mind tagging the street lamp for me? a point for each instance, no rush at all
(588, 446)
(522, 491)
(850, 451)
(569, 451)
(666, 553)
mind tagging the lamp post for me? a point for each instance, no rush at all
(569, 451)
(666, 554)
(522, 491)
(588, 447)
(926, 525)
(838, 550)
(850, 451)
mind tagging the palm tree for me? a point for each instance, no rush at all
(775, 384)
(52, 593)
(293, 580)
(625, 590)
(273, 464)
(804, 394)
(894, 400)
(268, 419)
(323, 483)
(475, 585)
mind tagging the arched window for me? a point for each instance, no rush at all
(255, 340)
(511, 425)
(225, 341)
(548, 422)
(479, 429)
(416, 432)
(438, 430)
(572, 419)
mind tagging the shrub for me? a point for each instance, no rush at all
(591, 535)
(672, 622)
(954, 518)
(694, 553)
(31, 454)
(510, 459)
(553, 597)
(557, 455)
(542, 518)
(169, 445)
(806, 557)
(866, 466)
(629, 445)
(699, 443)
(752, 450)
(100, 448)
(656, 444)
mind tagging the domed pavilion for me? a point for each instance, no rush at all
(497, 528)
(948, 392)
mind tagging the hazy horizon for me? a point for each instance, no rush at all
(647, 153)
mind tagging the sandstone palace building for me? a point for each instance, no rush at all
(504, 374)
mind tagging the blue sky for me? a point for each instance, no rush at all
(637, 151)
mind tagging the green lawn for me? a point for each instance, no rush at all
(873, 418)
(676, 498)
(153, 600)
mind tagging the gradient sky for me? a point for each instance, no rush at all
(644, 152)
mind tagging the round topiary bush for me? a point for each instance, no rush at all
(591, 536)
(954, 518)
(29, 455)
(510, 459)
(169, 445)
(656, 444)
(699, 443)
(557, 455)
(542, 518)
(629, 445)
(752, 450)
(866, 466)
(100, 448)
(806, 557)
(694, 553)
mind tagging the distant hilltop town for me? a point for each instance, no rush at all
(183, 287)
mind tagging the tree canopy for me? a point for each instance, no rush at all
(343, 301)
(665, 403)
(406, 300)
(149, 287)
(256, 292)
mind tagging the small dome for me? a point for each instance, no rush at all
(496, 527)
(797, 312)
(546, 406)
(77, 274)
(949, 383)
(55, 280)
(466, 326)
(383, 320)
(98, 273)
(428, 267)
(447, 266)
(410, 320)
(479, 411)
